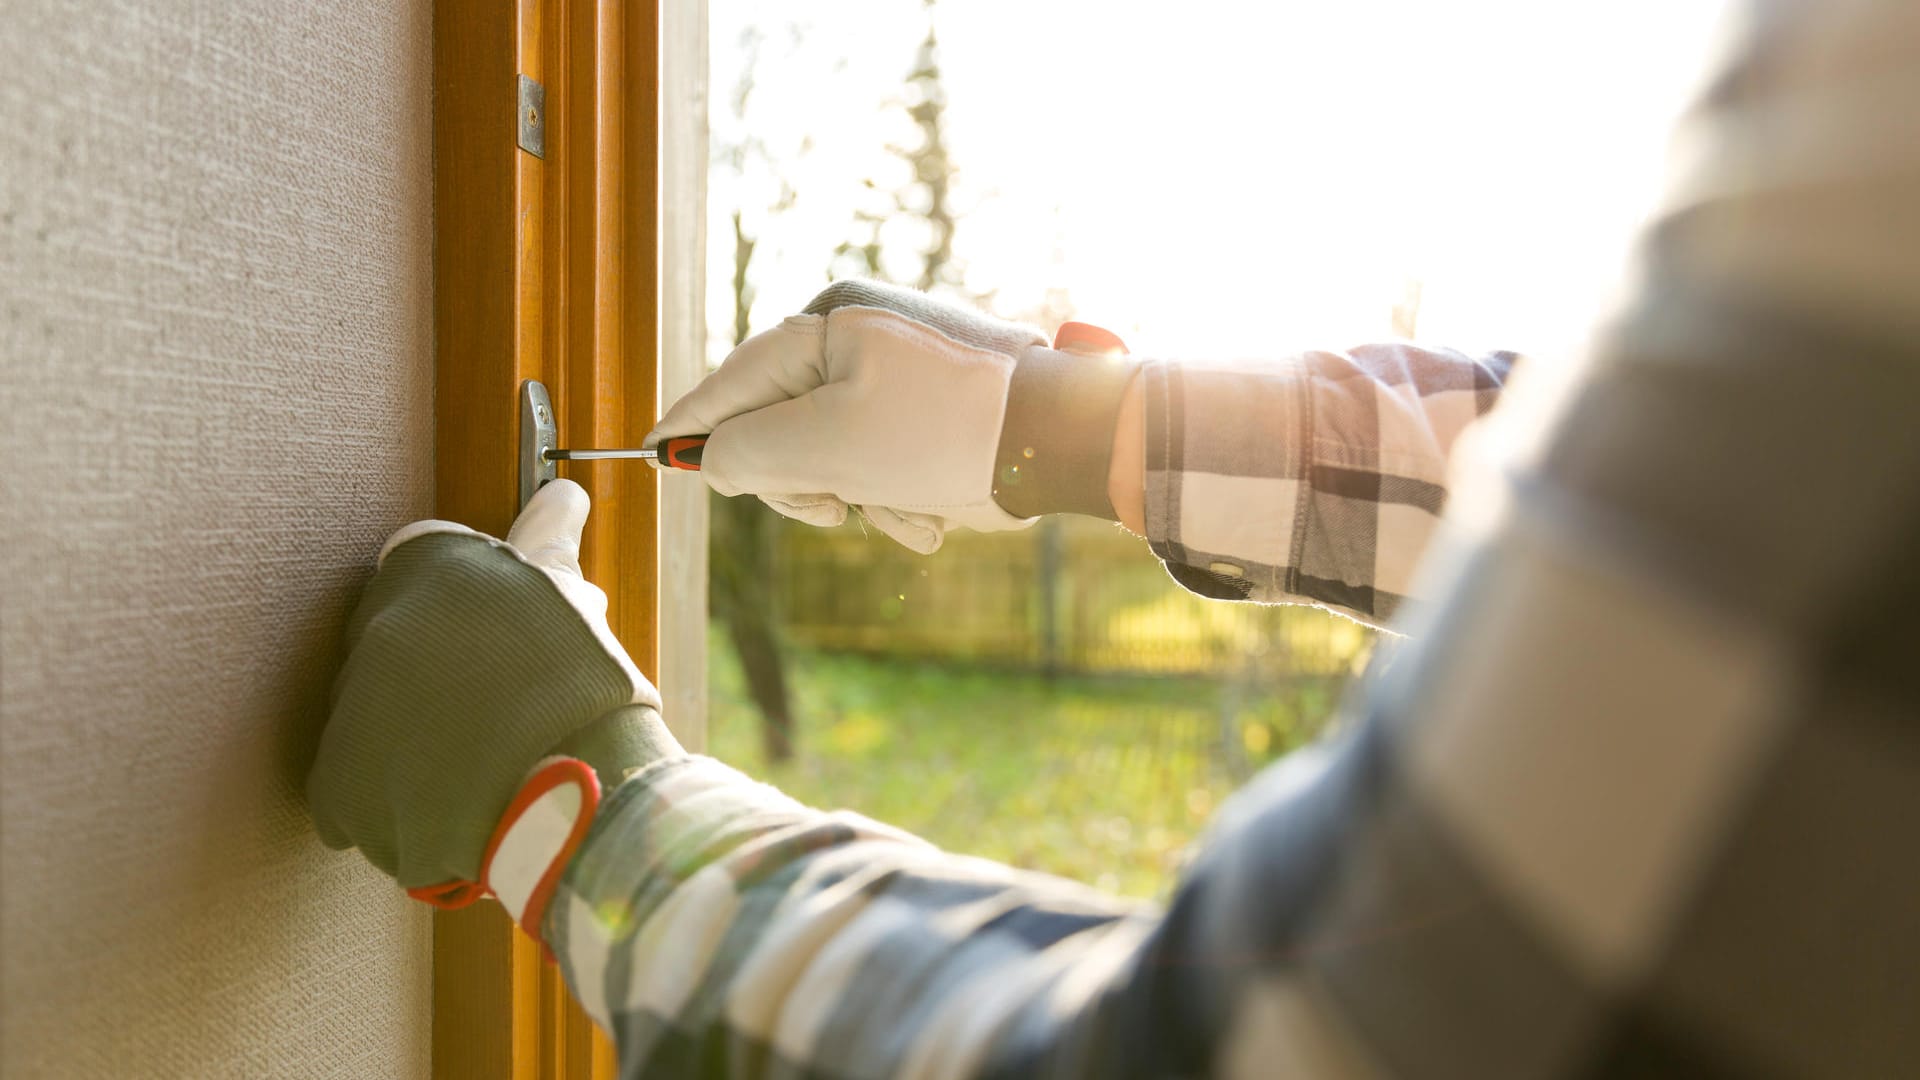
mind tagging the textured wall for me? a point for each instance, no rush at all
(216, 399)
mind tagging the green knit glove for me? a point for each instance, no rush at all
(469, 660)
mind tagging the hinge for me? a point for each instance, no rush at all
(533, 117)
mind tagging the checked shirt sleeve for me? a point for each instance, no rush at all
(715, 927)
(1317, 479)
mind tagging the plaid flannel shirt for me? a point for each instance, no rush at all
(1637, 799)
(1319, 479)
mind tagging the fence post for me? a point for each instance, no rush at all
(1048, 584)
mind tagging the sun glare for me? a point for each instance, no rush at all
(1243, 178)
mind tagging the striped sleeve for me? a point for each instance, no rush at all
(1317, 479)
(715, 927)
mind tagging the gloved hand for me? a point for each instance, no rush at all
(923, 414)
(470, 660)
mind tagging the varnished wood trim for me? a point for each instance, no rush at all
(544, 268)
(480, 1027)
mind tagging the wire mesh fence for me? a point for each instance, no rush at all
(1072, 595)
(1046, 697)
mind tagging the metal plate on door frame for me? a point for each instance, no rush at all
(538, 434)
(533, 117)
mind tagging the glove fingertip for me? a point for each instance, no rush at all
(917, 533)
(823, 511)
(547, 532)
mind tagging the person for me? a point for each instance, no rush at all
(1635, 799)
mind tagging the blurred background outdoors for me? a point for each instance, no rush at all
(1246, 178)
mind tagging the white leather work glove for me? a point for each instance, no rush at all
(882, 398)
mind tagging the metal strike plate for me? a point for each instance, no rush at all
(533, 117)
(538, 434)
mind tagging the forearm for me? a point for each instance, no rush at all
(1318, 479)
(713, 925)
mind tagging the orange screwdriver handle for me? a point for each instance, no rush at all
(681, 452)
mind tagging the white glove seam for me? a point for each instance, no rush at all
(900, 326)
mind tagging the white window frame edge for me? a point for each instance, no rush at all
(683, 327)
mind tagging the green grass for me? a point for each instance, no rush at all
(1104, 780)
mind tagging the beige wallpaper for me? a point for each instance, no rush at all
(215, 399)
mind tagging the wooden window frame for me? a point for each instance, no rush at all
(551, 268)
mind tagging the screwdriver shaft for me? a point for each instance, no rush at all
(678, 452)
(599, 455)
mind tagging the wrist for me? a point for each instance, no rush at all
(1057, 438)
(617, 744)
(550, 814)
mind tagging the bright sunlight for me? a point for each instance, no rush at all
(1250, 178)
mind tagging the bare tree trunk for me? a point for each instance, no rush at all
(742, 288)
(1047, 585)
(742, 560)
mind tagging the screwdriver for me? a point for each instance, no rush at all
(681, 452)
